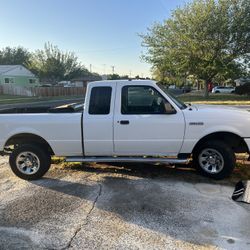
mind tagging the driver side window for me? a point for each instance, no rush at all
(144, 100)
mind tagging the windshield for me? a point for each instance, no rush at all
(179, 103)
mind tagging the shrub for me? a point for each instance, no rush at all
(243, 89)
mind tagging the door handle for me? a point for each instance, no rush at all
(124, 122)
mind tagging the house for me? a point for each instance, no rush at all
(83, 81)
(18, 75)
(242, 81)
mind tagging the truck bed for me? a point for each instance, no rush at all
(69, 108)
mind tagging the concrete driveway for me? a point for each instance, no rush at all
(120, 207)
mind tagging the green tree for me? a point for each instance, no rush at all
(124, 77)
(205, 38)
(52, 65)
(14, 56)
(114, 77)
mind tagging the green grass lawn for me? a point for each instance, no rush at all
(6, 97)
(10, 99)
(223, 99)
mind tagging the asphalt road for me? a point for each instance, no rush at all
(120, 207)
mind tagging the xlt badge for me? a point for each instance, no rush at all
(196, 123)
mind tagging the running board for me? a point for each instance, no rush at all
(127, 159)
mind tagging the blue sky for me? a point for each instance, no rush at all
(101, 32)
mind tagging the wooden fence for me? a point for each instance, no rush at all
(10, 89)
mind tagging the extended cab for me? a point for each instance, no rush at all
(126, 121)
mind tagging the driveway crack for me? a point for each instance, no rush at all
(86, 220)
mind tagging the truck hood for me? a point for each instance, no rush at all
(220, 107)
(220, 111)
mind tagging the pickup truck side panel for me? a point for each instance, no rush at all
(147, 134)
(61, 131)
(98, 128)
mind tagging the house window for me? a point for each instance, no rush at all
(9, 80)
(32, 81)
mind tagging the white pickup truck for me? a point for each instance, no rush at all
(125, 121)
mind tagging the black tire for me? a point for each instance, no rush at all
(42, 155)
(224, 150)
(217, 92)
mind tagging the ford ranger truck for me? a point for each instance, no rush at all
(125, 121)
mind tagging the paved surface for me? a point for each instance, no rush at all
(120, 207)
(247, 107)
(176, 92)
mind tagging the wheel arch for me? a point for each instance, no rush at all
(29, 138)
(236, 142)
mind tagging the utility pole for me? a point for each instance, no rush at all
(90, 68)
(130, 74)
(113, 69)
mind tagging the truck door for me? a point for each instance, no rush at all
(145, 123)
(98, 119)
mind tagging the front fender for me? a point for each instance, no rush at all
(193, 135)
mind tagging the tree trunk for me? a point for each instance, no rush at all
(206, 93)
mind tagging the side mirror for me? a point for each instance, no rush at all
(169, 110)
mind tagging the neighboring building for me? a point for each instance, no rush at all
(242, 81)
(18, 75)
(83, 81)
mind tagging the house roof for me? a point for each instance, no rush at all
(242, 80)
(6, 68)
(15, 70)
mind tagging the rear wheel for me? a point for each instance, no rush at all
(214, 159)
(29, 162)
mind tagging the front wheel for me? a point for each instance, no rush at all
(214, 159)
(29, 162)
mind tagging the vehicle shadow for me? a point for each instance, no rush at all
(155, 171)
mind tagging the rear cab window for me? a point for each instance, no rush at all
(100, 99)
